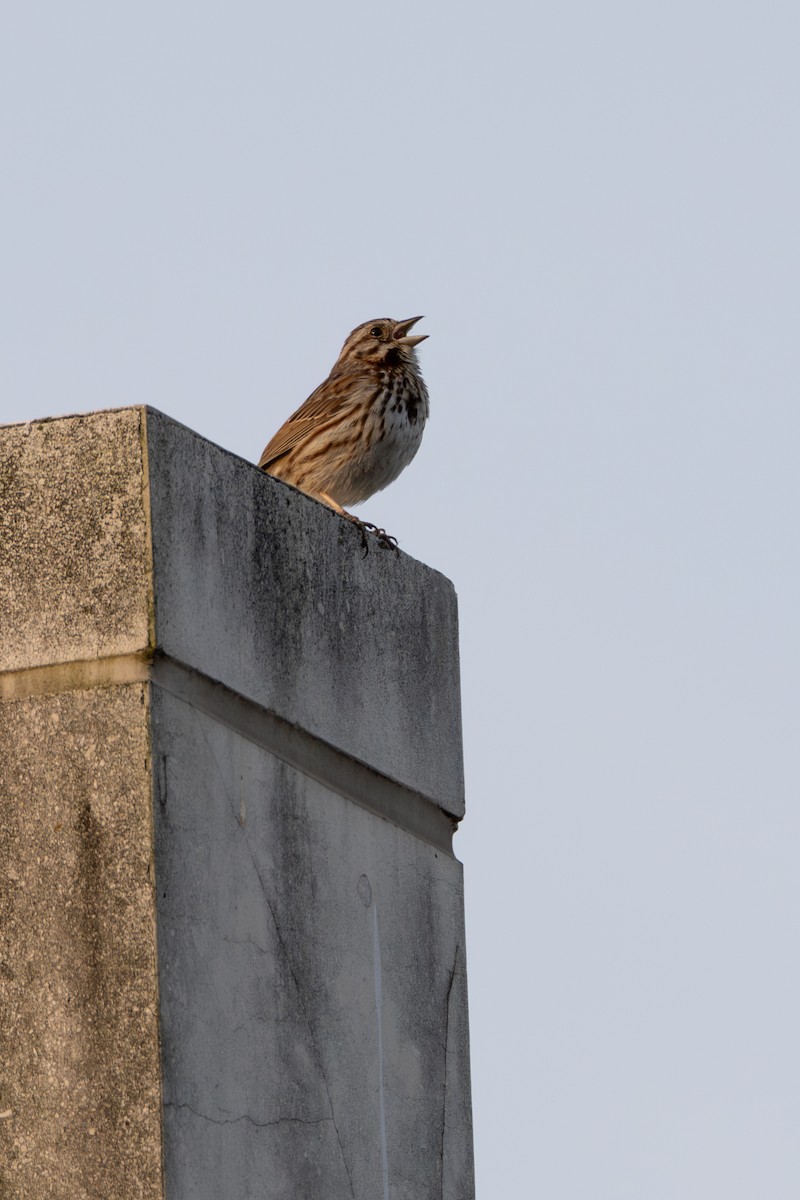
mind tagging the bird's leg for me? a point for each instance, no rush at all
(385, 540)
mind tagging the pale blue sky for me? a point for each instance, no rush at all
(596, 207)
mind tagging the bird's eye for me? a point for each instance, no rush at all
(376, 331)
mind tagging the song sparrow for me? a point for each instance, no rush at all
(362, 426)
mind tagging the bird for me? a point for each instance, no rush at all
(361, 427)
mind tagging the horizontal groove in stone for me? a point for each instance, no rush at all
(75, 676)
(348, 777)
(335, 770)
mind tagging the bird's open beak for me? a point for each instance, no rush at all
(401, 332)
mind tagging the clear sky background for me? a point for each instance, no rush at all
(597, 208)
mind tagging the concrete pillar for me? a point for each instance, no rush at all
(231, 922)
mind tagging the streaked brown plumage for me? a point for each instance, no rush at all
(362, 426)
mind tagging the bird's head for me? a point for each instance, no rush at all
(382, 342)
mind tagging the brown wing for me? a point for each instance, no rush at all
(323, 401)
(286, 438)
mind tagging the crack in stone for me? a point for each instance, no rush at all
(284, 951)
(247, 941)
(173, 914)
(246, 1117)
(306, 1018)
(444, 1079)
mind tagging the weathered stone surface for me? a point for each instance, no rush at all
(270, 592)
(80, 1092)
(313, 983)
(256, 585)
(74, 542)
(230, 750)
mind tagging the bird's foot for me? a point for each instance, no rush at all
(385, 540)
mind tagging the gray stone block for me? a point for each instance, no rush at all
(304, 940)
(269, 592)
(230, 765)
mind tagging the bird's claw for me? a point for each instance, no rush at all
(385, 540)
